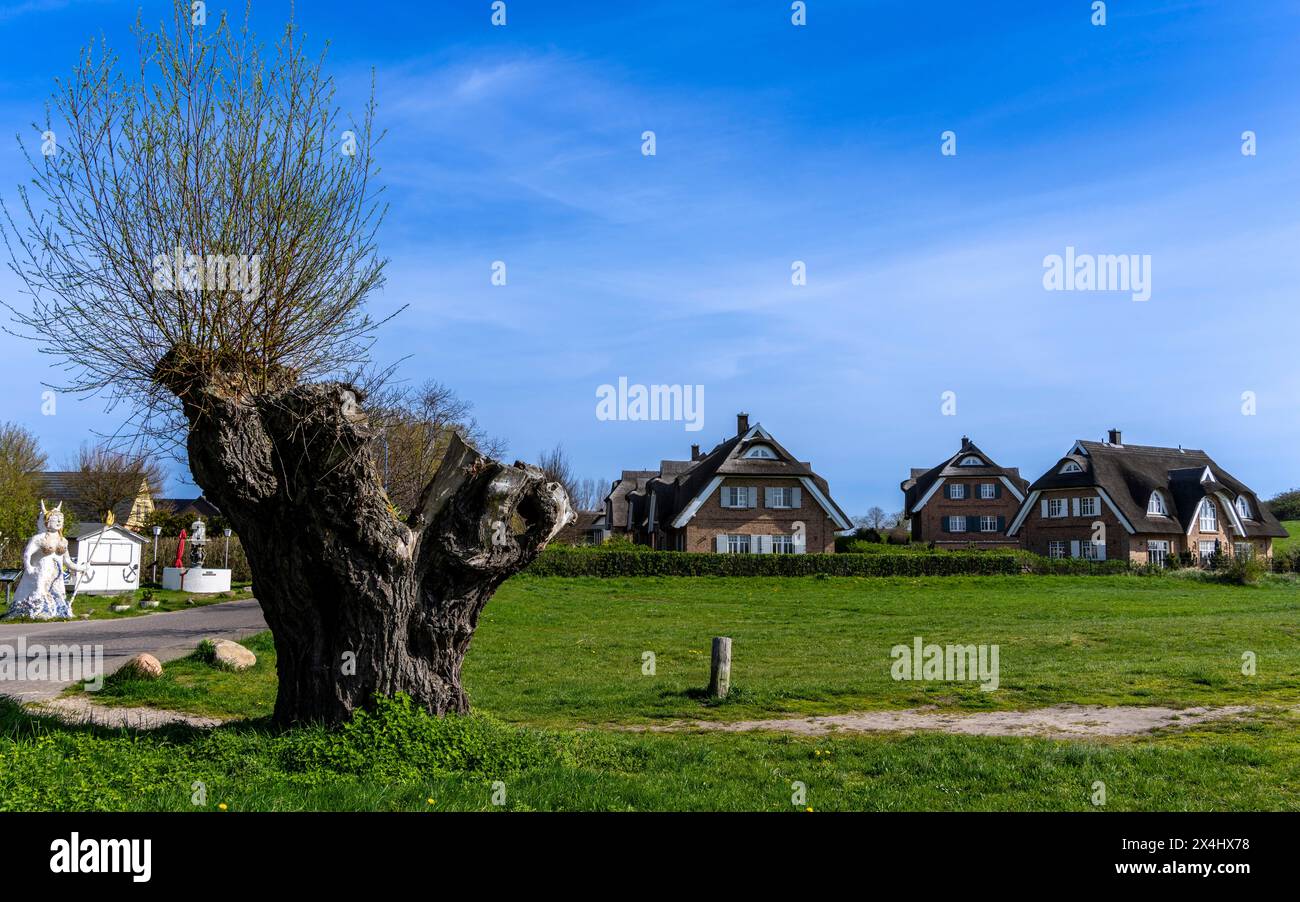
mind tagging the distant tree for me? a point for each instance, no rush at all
(1286, 505)
(558, 468)
(589, 493)
(104, 478)
(171, 522)
(415, 427)
(21, 462)
(875, 518)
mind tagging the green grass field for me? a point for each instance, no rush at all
(557, 662)
(100, 607)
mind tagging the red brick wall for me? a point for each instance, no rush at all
(928, 525)
(712, 519)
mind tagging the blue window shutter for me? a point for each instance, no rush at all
(972, 524)
(943, 521)
(997, 490)
(1002, 524)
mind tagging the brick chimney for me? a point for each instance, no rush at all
(742, 423)
(695, 452)
(965, 443)
(1116, 437)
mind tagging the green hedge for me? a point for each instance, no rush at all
(568, 562)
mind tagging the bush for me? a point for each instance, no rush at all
(399, 740)
(565, 562)
(1072, 566)
(1286, 506)
(1287, 561)
(1241, 570)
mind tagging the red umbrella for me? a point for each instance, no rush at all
(180, 552)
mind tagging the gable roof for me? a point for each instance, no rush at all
(917, 487)
(82, 531)
(690, 487)
(61, 485)
(1128, 474)
(680, 486)
(620, 495)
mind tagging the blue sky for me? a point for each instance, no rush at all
(820, 143)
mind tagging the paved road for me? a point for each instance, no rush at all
(165, 636)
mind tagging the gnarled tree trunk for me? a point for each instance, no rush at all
(360, 601)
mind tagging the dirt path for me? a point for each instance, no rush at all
(1069, 721)
(80, 710)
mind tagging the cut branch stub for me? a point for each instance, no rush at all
(486, 515)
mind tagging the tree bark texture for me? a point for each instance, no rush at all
(360, 600)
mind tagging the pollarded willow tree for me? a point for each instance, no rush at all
(198, 243)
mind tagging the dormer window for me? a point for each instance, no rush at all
(1209, 516)
(1243, 507)
(1156, 505)
(971, 461)
(762, 452)
(1072, 467)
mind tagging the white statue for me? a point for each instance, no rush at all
(198, 542)
(40, 594)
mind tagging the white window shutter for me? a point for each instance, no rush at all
(1074, 505)
(753, 496)
(1044, 508)
(769, 497)
(720, 543)
(796, 500)
(800, 542)
(1101, 550)
(1074, 548)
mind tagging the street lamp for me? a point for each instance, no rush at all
(227, 534)
(157, 531)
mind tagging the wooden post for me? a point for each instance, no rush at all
(720, 667)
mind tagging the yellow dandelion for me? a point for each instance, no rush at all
(431, 801)
(808, 809)
(222, 806)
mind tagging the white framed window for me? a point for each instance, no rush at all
(1156, 505)
(988, 490)
(956, 490)
(1072, 467)
(1088, 550)
(1208, 548)
(956, 524)
(988, 524)
(763, 452)
(738, 544)
(735, 495)
(971, 461)
(780, 497)
(782, 545)
(1243, 507)
(1057, 549)
(1209, 516)
(1158, 551)
(1089, 507)
(1057, 507)
(1243, 550)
